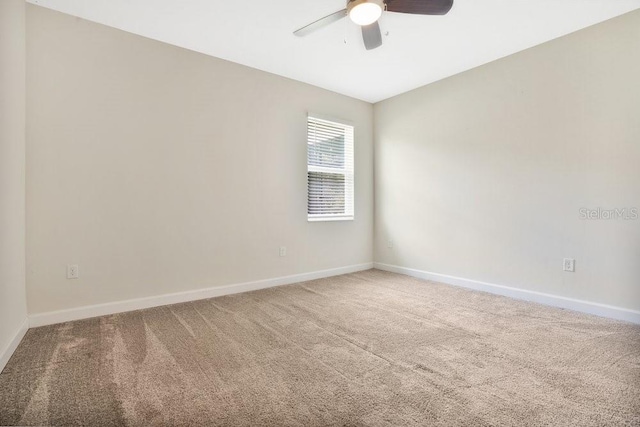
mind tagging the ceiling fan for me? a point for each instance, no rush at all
(367, 12)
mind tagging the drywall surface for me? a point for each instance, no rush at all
(484, 175)
(159, 170)
(13, 308)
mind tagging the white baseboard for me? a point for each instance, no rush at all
(7, 352)
(52, 317)
(597, 309)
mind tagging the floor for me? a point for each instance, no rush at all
(364, 349)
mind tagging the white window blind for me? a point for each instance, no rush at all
(329, 170)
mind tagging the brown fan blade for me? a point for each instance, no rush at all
(371, 36)
(322, 22)
(420, 7)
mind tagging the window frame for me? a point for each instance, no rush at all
(348, 169)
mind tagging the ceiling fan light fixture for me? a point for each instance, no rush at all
(365, 12)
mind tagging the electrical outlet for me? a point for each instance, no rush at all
(569, 265)
(72, 271)
(283, 251)
(390, 244)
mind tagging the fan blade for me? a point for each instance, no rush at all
(420, 7)
(322, 22)
(371, 36)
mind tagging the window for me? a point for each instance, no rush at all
(329, 170)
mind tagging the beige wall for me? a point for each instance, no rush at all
(13, 310)
(160, 170)
(483, 175)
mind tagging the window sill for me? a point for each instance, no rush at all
(329, 218)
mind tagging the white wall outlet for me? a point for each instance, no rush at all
(283, 251)
(72, 271)
(569, 265)
(390, 244)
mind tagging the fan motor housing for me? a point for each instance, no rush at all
(353, 3)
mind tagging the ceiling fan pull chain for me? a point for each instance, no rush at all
(346, 33)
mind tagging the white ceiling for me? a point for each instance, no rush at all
(417, 50)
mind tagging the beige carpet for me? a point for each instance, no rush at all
(365, 349)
